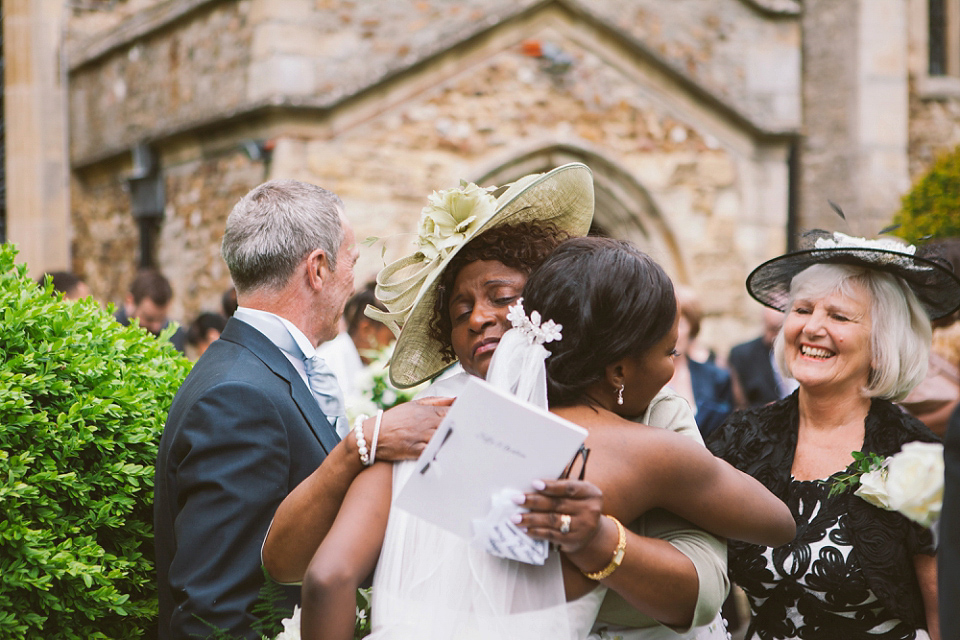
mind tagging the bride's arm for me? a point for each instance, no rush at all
(706, 552)
(712, 494)
(654, 577)
(346, 557)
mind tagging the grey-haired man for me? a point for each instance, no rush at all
(250, 422)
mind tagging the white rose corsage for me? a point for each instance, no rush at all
(910, 482)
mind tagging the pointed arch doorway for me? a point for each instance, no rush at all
(624, 208)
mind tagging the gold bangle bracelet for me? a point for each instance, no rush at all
(618, 554)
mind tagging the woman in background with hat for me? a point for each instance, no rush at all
(478, 291)
(855, 336)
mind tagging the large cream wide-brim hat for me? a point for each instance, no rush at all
(562, 197)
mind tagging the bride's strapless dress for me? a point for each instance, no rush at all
(430, 583)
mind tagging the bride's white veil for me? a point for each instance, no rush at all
(465, 592)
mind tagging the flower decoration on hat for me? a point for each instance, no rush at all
(451, 216)
(532, 328)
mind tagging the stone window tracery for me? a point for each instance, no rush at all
(943, 44)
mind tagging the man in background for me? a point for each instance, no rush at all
(756, 381)
(69, 284)
(149, 302)
(204, 329)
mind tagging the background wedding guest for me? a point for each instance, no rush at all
(228, 301)
(938, 395)
(368, 334)
(69, 284)
(148, 300)
(256, 414)
(855, 336)
(948, 552)
(704, 385)
(204, 329)
(755, 378)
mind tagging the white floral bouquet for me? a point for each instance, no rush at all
(291, 625)
(910, 482)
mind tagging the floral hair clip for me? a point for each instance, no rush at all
(531, 327)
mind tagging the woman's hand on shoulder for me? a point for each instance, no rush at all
(406, 429)
(567, 513)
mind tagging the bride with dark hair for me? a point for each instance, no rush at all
(619, 328)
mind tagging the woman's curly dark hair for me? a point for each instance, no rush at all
(522, 246)
(613, 301)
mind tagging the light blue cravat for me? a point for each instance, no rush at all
(326, 390)
(320, 378)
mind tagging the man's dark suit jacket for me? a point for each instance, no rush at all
(948, 554)
(242, 432)
(750, 363)
(712, 393)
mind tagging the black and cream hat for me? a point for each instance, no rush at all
(930, 278)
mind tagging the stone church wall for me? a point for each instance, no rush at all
(696, 176)
(701, 221)
(191, 71)
(934, 130)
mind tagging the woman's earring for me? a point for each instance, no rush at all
(620, 394)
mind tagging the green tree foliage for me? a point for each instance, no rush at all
(932, 207)
(82, 405)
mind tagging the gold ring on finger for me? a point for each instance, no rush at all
(565, 521)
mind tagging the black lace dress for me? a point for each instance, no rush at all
(849, 571)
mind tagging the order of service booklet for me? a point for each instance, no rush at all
(488, 442)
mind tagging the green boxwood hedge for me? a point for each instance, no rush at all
(931, 209)
(82, 405)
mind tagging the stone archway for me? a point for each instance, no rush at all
(624, 208)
